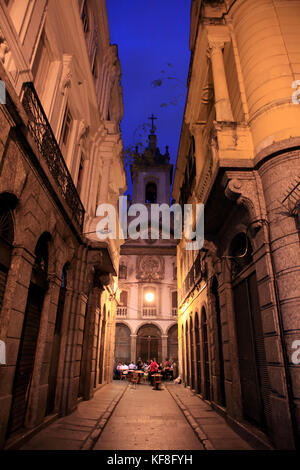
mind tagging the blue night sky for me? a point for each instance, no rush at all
(153, 44)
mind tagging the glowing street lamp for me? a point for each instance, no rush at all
(149, 297)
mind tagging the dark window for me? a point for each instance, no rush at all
(80, 174)
(241, 253)
(66, 127)
(85, 18)
(174, 299)
(151, 193)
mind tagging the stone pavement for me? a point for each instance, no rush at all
(80, 429)
(121, 417)
(211, 428)
(147, 419)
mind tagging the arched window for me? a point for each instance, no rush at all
(205, 354)
(56, 344)
(151, 193)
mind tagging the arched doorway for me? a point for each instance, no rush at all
(122, 343)
(148, 343)
(221, 399)
(250, 340)
(198, 355)
(183, 355)
(102, 345)
(192, 355)
(52, 379)
(187, 353)
(29, 336)
(173, 343)
(205, 355)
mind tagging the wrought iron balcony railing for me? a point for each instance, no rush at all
(45, 140)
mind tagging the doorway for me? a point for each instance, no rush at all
(148, 343)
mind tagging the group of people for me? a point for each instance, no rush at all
(167, 369)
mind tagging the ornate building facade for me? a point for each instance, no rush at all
(147, 316)
(59, 139)
(239, 154)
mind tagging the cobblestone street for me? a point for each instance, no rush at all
(121, 417)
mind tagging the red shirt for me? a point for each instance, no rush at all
(153, 366)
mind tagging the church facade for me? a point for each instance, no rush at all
(147, 315)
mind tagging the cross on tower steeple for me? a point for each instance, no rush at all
(152, 119)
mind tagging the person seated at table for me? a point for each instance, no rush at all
(118, 371)
(132, 366)
(153, 370)
(140, 364)
(160, 370)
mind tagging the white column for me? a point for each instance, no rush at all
(222, 102)
(133, 347)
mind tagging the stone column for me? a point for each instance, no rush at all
(76, 318)
(222, 102)
(88, 369)
(164, 347)
(133, 347)
(63, 344)
(35, 413)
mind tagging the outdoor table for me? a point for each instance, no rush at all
(157, 381)
(140, 373)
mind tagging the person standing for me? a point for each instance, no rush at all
(153, 369)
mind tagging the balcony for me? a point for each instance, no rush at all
(122, 312)
(149, 312)
(44, 138)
